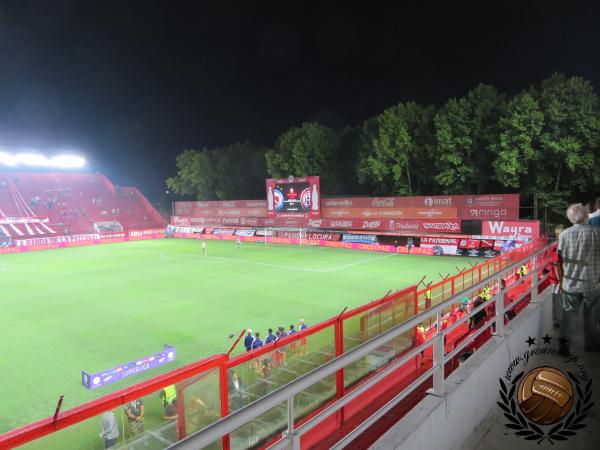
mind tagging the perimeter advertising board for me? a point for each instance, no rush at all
(518, 230)
(440, 246)
(418, 213)
(488, 206)
(294, 197)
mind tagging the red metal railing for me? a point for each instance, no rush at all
(276, 364)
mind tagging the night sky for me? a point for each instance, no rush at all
(130, 84)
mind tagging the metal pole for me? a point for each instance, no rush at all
(534, 281)
(438, 357)
(499, 308)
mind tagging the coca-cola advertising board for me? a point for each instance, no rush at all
(517, 230)
(488, 206)
(294, 197)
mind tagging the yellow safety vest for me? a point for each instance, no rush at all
(170, 394)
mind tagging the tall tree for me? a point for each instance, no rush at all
(396, 146)
(232, 172)
(570, 137)
(466, 131)
(195, 175)
(304, 151)
(518, 148)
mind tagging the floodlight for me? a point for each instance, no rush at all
(68, 161)
(63, 161)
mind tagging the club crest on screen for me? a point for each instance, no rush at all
(305, 198)
(278, 199)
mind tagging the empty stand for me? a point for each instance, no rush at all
(41, 204)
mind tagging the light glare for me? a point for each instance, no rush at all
(39, 160)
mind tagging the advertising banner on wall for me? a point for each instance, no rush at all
(440, 246)
(181, 221)
(363, 238)
(99, 379)
(422, 213)
(224, 231)
(49, 240)
(469, 243)
(405, 226)
(263, 232)
(488, 206)
(315, 236)
(517, 229)
(294, 197)
(235, 208)
(245, 232)
(477, 252)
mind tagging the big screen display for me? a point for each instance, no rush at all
(294, 197)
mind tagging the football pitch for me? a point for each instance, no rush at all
(92, 308)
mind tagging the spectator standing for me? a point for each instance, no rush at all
(257, 343)
(281, 351)
(135, 415)
(168, 394)
(110, 429)
(303, 341)
(248, 340)
(595, 216)
(270, 337)
(235, 391)
(556, 308)
(579, 276)
(479, 318)
(293, 344)
(171, 412)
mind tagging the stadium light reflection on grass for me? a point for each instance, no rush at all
(63, 161)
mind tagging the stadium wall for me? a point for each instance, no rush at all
(315, 345)
(79, 240)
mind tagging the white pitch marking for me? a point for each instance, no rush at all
(333, 269)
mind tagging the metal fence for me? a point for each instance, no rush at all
(333, 374)
(295, 434)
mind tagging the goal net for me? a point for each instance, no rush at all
(298, 235)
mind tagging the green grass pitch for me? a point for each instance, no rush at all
(95, 307)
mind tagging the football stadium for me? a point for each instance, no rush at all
(248, 226)
(108, 299)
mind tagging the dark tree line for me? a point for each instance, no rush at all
(542, 142)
